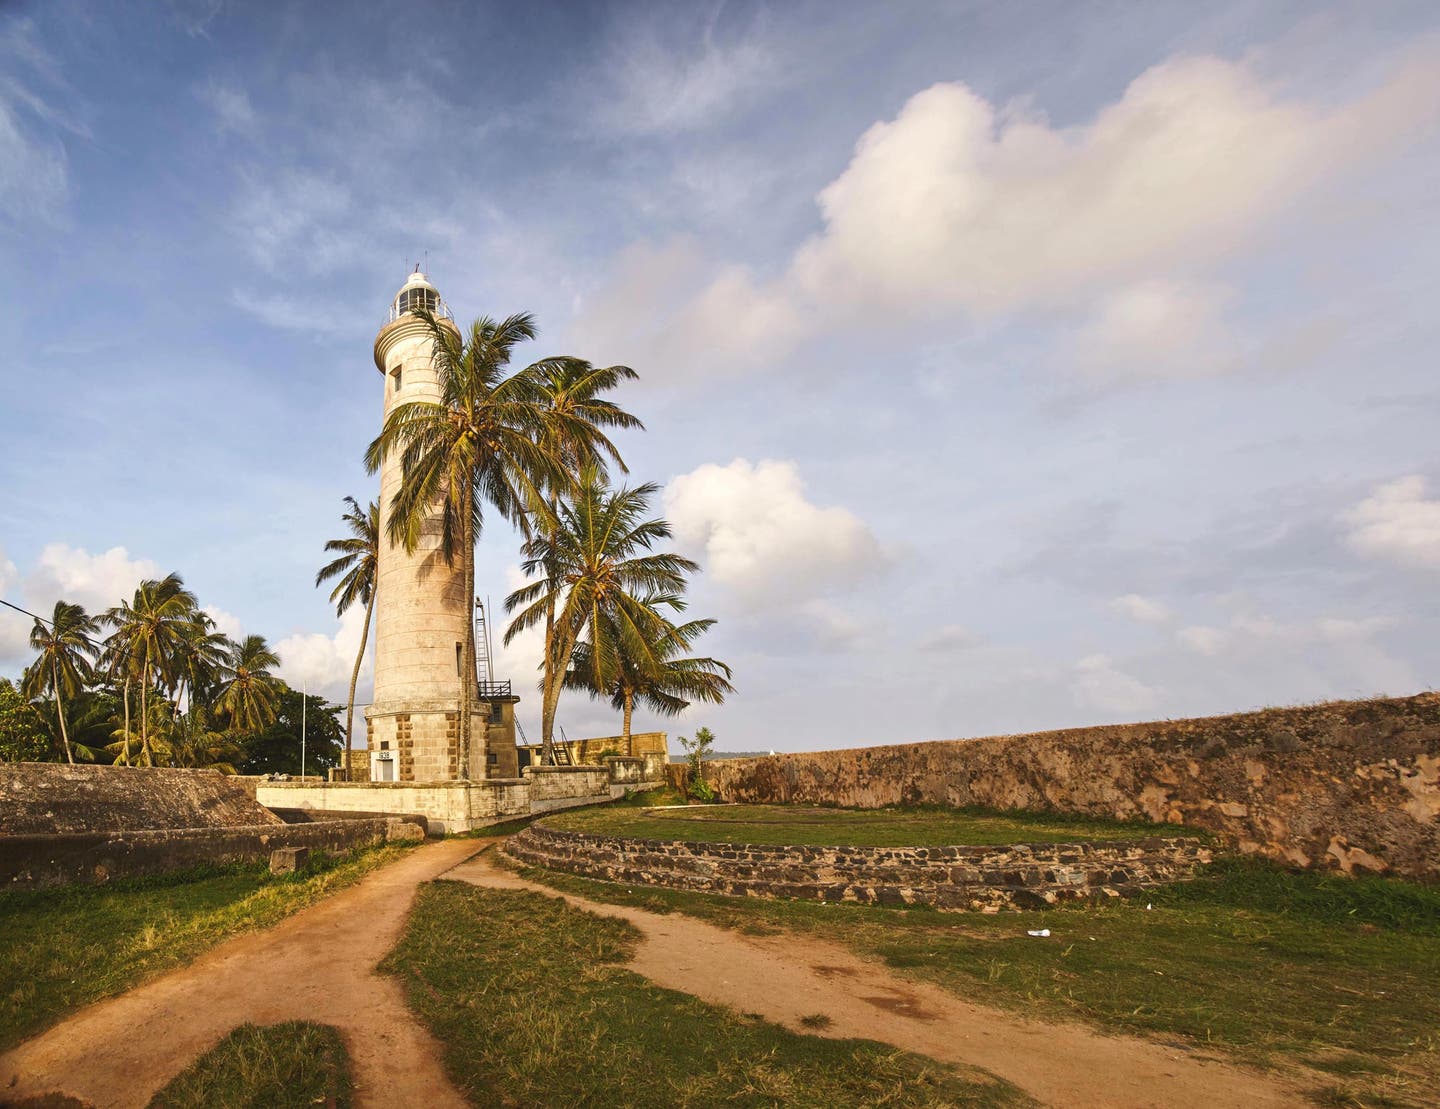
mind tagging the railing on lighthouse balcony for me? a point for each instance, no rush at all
(413, 300)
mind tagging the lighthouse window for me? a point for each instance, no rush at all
(458, 658)
(415, 300)
(395, 373)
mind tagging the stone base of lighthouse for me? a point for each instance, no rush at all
(419, 741)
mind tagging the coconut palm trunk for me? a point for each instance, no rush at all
(60, 712)
(625, 729)
(564, 645)
(125, 700)
(467, 669)
(144, 711)
(354, 681)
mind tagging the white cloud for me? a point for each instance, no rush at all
(665, 305)
(830, 626)
(950, 638)
(960, 204)
(323, 663)
(519, 660)
(1397, 523)
(1156, 329)
(756, 532)
(1142, 609)
(97, 582)
(1202, 639)
(288, 312)
(1248, 633)
(226, 623)
(661, 88)
(14, 626)
(232, 108)
(1098, 684)
(34, 169)
(298, 221)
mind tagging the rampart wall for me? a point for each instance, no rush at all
(90, 858)
(50, 798)
(985, 878)
(1349, 785)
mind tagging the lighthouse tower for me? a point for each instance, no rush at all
(421, 610)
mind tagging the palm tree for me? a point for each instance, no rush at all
(659, 679)
(595, 569)
(63, 666)
(151, 629)
(202, 652)
(248, 691)
(356, 567)
(484, 443)
(198, 745)
(575, 417)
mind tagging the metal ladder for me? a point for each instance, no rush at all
(484, 667)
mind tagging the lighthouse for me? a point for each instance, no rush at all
(421, 607)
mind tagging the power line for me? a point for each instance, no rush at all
(26, 611)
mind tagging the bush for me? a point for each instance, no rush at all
(701, 790)
(695, 751)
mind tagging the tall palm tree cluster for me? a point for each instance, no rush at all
(531, 446)
(149, 682)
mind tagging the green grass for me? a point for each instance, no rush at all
(64, 948)
(1269, 966)
(533, 1008)
(797, 825)
(280, 1066)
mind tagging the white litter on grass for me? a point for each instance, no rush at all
(1043, 933)
(1148, 907)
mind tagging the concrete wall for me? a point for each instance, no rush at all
(447, 807)
(1350, 785)
(450, 807)
(984, 878)
(625, 771)
(563, 787)
(88, 858)
(48, 798)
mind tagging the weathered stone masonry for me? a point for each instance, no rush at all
(986, 878)
(1352, 785)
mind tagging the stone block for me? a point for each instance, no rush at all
(402, 831)
(287, 860)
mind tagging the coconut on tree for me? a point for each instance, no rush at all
(248, 692)
(653, 672)
(149, 637)
(595, 570)
(576, 418)
(63, 666)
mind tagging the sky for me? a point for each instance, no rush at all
(1005, 366)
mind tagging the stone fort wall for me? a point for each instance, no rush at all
(984, 878)
(52, 798)
(1348, 785)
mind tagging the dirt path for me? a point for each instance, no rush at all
(121, 1051)
(784, 979)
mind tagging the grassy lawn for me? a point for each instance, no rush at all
(533, 1008)
(280, 1066)
(65, 948)
(1266, 965)
(797, 825)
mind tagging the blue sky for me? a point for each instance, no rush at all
(1006, 366)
